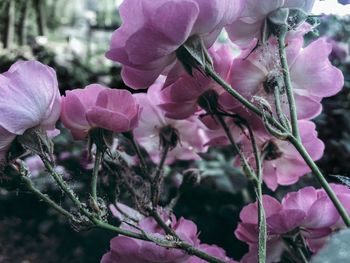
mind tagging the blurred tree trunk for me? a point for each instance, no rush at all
(40, 17)
(9, 23)
(22, 24)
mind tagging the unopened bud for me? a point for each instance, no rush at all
(168, 137)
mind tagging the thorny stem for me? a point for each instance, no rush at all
(180, 244)
(155, 185)
(288, 85)
(94, 179)
(261, 211)
(245, 165)
(297, 144)
(280, 114)
(44, 197)
(209, 70)
(325, 185)
(139, 154)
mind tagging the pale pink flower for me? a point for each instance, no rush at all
(249, 26)
(313, 76)
(29, 98)
(97, 106)
(191, 131)
(126, 249)
(152, 31)
(283, 165)
(308, 212)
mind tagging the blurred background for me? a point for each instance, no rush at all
(72, 37)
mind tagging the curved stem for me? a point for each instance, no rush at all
(98, 159)
(44, 197)
(297, 144)
(325, 185)
(239, 97)
(261, 211)
(142, 236)
(156, 181)
(245, 165)
(288, 85)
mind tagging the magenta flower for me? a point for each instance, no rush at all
(29, 97)
(153, 30)
(308, 212)
(99, 107)
(248, 27)
(283, 165)
(126, 249)
(191, 132)
(313, 76)
(180, 98)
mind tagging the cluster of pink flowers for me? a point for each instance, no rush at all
(308, 213)
(147, 45)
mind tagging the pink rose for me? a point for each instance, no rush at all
(97, 106)
(153, 30)
(308, 212)
(283, 165)
(191, 132)
(180, 98)
(126, 249)
(313, 76)
(29, 97)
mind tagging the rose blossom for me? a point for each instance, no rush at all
(283, 165)
(97, 106)
(249, 26)
(153, 30)
(190, 132)
(308, 212)
(29, 98)
(126, 249)
(180, 98)
(312, 75)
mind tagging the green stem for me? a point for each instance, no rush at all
(62, 184)
(288, 85)
(325, 185)
(262, 225)
(155, 185)
(98, 159)
(261, 210)
(139, 154)
(142, 236)
(245, 165)
(297, 144)
(209, 70)
(280, 114)
(302, 256)
(30, 186)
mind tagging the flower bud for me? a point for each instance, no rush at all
(168, 137)
(278, 21)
